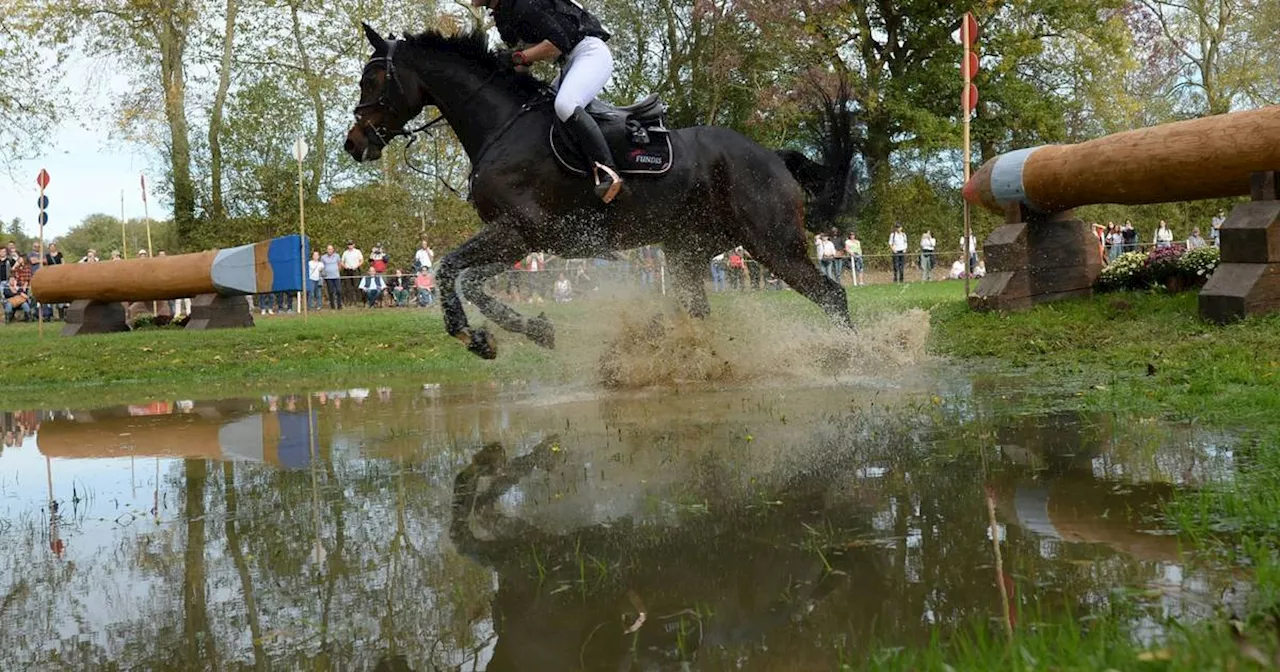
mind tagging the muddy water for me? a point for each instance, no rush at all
(525, 528)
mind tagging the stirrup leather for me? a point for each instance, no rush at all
(615, 184)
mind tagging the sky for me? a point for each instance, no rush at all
(87, 169)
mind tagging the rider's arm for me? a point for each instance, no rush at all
(538, 19)
(542, 51)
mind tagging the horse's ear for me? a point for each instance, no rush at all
(379, 44)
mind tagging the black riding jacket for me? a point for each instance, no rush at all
(563, 22)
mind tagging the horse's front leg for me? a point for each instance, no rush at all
(539, 329)
(492, 245)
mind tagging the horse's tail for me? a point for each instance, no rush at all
(813, 177)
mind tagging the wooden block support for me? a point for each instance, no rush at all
(1247, 280)
(212, 311)
(1037, 259)
(93, 317)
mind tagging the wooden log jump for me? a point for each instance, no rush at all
(216, 281)
(1223, 156)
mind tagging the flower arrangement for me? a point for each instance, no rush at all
(1174, 268)
(1126, 272)
(1162, 264)
(1199, 264)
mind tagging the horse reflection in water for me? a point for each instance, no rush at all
(634, 596)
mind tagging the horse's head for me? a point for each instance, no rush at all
(388, 100)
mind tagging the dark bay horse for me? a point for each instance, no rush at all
(724, 190)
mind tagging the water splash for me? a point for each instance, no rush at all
(648, 343)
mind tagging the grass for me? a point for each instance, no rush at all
(280, 354)
(1135, 354)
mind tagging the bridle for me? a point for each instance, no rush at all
(380, 132)
(384, 135)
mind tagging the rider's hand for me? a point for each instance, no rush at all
(507, 57)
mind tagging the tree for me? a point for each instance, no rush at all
(150, 38)
(217, 209)
(1217, 49)
(28, 80)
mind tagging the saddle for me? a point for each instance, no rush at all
(637, 135)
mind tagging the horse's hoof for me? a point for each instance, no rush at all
(482, 344)
(540, 330)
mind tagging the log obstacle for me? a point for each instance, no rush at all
(216, 281)
(1042, 253)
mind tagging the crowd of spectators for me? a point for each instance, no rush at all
(1117, 239)
(16, 270)
(338, 280)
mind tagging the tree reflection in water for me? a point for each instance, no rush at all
(495, 530)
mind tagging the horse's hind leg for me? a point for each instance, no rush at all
(539, 329)
(687, 281)
(790, 261)
(490, 246)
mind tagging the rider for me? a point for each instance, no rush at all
(561, 30)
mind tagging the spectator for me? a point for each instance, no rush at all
(423, 258)
(90, 257)
(1195, 241)
(971, 249)
(737, 269)
(837, 255)
(1164, 237)
(372, 287)
(400, 286)
(927, 246)
(115, 255)
(828, 259)
(352, 262)
(563, 290)
(8, 257)
(142, 254)
(332, 278)
(378, 260)
(717, 273)
(54, 257)
(957, 269)
(1215, 233)
(853, 249)
(315, 273)
(16, 299)
(581, 279)
(1130, 236)
(21, 273)
(898, 246)
(1115, 242)
(425, 285)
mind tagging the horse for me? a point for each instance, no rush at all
(721, 190)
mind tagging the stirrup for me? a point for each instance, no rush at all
(609, 192)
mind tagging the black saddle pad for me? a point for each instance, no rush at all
(652, 158)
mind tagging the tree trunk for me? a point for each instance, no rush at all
(173, 44)
(217, 208)
(317, 101)
(198, 649)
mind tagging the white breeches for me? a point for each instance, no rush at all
(583, 76)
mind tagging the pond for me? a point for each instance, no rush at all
(523, 527)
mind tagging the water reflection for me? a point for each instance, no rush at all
(511, 527)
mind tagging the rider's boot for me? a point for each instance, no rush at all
(593, 144)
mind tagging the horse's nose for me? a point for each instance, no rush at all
(349, 146)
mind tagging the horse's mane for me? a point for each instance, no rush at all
(473, 46)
